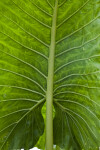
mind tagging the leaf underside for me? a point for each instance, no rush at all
(25, 30)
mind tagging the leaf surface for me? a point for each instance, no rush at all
(23, 72)
(25, 37)
(77, 74)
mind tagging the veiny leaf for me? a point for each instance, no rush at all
(25, 33)
(77, 75)
(23, 71)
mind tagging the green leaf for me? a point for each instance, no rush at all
(26, 28)
(77, 76)
(22, 76)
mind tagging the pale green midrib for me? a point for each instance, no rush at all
(49, 94)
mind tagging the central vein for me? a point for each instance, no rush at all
(49, 94)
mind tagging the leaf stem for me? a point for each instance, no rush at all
(49, 94)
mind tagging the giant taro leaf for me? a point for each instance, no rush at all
(25, 38)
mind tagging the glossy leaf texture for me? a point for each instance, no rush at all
(77, 75)
(25, 30)
(24, 39)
